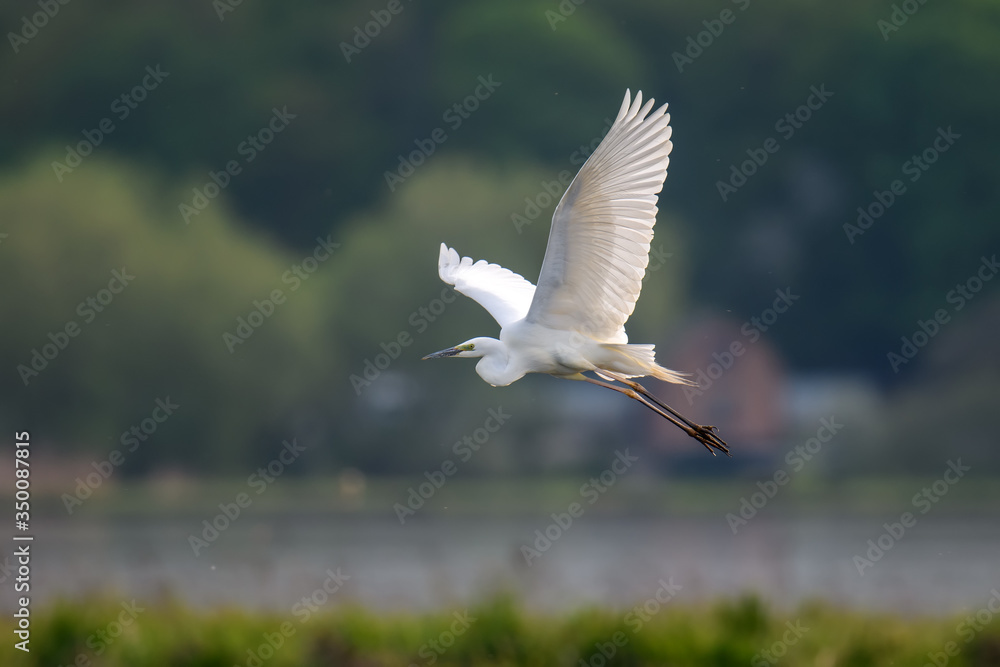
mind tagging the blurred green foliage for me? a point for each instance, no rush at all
(161, 335)
(498, 632)
(324, 177)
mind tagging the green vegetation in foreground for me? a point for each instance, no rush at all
(495, 633)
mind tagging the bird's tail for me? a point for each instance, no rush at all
(640, 360)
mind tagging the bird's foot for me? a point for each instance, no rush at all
(708, 436)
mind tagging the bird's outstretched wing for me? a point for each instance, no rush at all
(599, 242)
(506, 295)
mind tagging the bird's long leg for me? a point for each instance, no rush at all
(707, 438)
(710, 432)
(635, 395)
(642, 390)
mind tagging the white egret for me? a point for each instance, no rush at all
(597, 253)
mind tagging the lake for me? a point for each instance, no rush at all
(942, 564)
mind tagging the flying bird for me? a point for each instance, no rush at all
(573, 322)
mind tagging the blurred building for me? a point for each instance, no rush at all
(742, 384)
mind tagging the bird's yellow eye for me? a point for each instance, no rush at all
(467, 347)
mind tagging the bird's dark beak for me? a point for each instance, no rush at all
(450, 352)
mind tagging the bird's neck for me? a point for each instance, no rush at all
(495, 367)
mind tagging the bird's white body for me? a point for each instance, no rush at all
(526, 347)
(595, 260)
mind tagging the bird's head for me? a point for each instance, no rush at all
(473, 348)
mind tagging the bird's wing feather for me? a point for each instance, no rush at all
(598, 246)
(506, 295)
